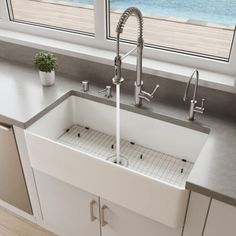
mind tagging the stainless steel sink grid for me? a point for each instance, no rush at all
(146, 161)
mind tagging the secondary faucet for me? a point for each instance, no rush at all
(193, 108)
(139, 93)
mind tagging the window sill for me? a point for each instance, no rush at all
(208, 79)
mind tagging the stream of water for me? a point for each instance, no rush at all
(118, 123)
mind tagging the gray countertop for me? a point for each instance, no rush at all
(23, 100)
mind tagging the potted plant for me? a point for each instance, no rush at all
(46, 62)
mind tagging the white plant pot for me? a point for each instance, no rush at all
(47, 78)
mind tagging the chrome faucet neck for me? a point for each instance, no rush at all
(123, 19)
(193, 103)
(195, 72)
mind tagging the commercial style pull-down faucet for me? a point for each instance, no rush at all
(139, 93)
(193, 108)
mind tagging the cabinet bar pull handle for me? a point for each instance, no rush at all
(5, 128)
(92, 216)
(103, 222)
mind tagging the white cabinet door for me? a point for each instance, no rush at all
(67, 210)
(221, 220)
(122, 222)
(196, 215)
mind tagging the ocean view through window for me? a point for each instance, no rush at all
(198, 27)
(75, 16)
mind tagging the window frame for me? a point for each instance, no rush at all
(166, 48)
(101, 41)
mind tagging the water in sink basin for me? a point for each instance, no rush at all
(146, 161)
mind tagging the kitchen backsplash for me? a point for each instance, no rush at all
(170, 91)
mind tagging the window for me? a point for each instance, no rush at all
(68, 15)
(198, 33)
(199, 27)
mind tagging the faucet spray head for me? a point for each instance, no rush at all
(117, 78)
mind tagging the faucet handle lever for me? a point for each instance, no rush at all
(107, 91)
(201, 108)
(103, 90)
(203, 102)
(151, 95)
(144, 97)
(155, 89)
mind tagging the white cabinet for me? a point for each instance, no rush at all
(118, 221)
(209, 218)
(67, 210)
(221, 220)
(196, 215)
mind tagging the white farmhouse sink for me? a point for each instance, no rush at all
(73, 141)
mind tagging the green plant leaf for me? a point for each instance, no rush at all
(45, 61)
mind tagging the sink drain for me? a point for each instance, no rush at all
(123, 161)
